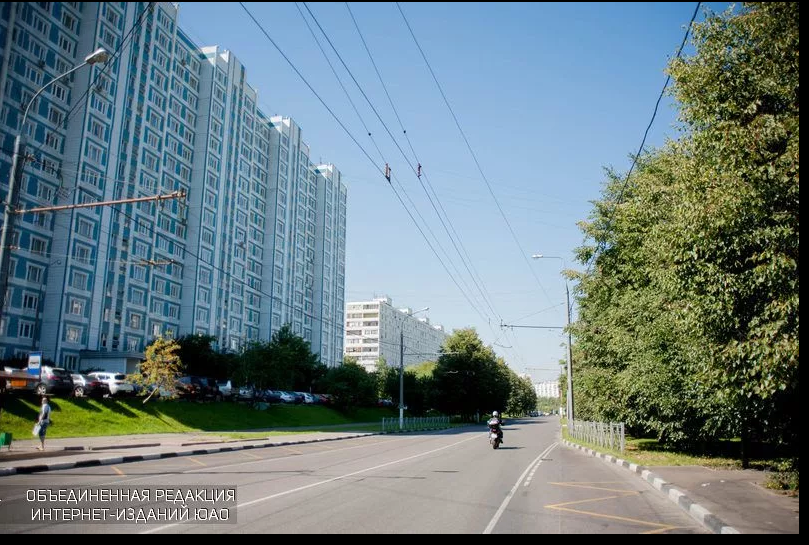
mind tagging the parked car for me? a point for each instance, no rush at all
(84, 385)
(226, 389)
(286, 397)
(116, 382)
(198, 388)
(271, 396)
(54, 380)
(246, 393)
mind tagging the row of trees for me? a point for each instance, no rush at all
(467, 379)
(688, 322)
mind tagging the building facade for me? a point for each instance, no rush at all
(374, 329)
(548, 388)
(236, 259)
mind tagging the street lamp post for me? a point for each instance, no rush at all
(17, 164)
(569, 344)
(401, 367)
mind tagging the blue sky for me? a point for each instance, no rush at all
(548, 95)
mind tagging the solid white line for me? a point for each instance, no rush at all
(327, 481)
(501, 510)
(197, 470)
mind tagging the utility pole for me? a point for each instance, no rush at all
(401, 378)
(569, 363)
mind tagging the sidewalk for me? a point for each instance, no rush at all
(724, 501)
(93, 451)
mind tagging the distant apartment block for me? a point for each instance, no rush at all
(373, 330)
(549, 388)
(259, 241)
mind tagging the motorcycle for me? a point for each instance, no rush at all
(494, 434)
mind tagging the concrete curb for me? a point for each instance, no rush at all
(694, 510)
(38, 468)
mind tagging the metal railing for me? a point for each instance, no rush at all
(415, 424)
(610, 435)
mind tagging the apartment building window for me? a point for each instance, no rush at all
(68, 21)
(44, 191)
(91, 177)
(160, 286)
(53, 141)
(76, 306)
(139, 273)
(135, 321)
(73, 334)
(55, 116)
(78, 280)
(66, 44)
(82, 254)
(141, 249)
(34, 274)
(30, 301)
(133, 344)
(95, 154)
(38, 246)
(207, 236)
(137, 297)
(112, 16)
(25, 330)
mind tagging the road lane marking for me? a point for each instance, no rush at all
(502, 509)
(118, 471)
(251, 455)
(327, 481)
(196, 461)
(622, 493)
(297, 452)
(259, 459)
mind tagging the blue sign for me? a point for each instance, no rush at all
(35, 363)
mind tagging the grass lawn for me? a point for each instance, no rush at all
(650, 452)
(90, 417)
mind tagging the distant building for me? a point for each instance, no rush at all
(548, 388)
(373, 329)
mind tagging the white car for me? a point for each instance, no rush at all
(116, 381)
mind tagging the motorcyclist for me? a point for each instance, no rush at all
(496, 423)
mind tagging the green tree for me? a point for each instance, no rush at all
(523, 397)
(161, 368)
(200, 358)
(688, 322)
(350, 384)
(468, 378)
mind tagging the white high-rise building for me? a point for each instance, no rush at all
(548, 388)
(258, 243)
(374, 329)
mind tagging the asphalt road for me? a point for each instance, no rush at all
(438, 482)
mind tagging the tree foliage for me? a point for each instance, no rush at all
(688, 322)
(160, 369)
(468, 377)
(350, 384)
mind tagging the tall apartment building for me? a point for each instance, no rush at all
(373, 330)
(237, 259)
(548, 388)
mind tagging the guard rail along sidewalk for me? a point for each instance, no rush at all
(415, 424)
(608, 435)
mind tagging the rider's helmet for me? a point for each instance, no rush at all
(496, 414)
